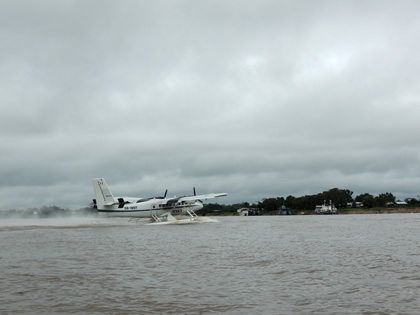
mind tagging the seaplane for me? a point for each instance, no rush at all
(161, 210)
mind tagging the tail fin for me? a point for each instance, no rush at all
(103, 194)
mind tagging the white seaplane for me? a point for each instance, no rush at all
(161, 210)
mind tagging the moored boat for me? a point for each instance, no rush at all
(326, 208)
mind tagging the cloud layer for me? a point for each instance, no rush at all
(254, 98)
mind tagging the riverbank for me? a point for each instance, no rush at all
(379, 210)
(340, 211)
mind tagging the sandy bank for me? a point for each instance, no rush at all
(377, 211)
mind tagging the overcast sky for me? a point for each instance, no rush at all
(258, 99)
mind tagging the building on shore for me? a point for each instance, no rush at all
(248, 212)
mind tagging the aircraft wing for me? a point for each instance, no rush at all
(202, 197)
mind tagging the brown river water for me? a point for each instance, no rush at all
(345, 264)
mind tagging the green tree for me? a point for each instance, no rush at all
(411, 201)
(340, 197)
(290, 202)
(270, 204)
(383, 199)
(366, 199)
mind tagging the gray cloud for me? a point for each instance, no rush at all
(255, 98)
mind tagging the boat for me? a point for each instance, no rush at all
(326, 208)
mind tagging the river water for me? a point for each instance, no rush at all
(345, 264)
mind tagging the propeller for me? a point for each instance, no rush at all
(196, 195)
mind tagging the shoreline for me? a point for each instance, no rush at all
(379, 211)
(340, 212)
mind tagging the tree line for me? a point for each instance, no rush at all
(341, 198)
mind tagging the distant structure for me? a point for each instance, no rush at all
(248, 212)
(356, 204)
(396, 204)
(326, 208)
(243, 212)
(283, 210)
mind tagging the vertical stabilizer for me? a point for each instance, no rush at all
(103, 193)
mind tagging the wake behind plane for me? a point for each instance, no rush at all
(160, 209)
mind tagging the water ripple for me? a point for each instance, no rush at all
(366, 264)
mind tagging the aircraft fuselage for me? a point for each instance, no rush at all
(152, 207)
(149, 208)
